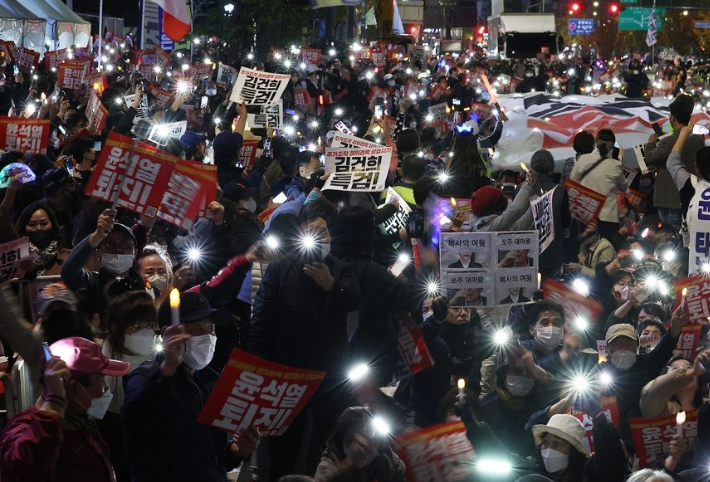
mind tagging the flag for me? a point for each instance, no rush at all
(370, 19)
(397, 27)
(176, 19)
(651, 33)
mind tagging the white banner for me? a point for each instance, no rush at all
(342, 140)
(398, 220)
(360, 170)
(270, 116)
(254, 87)
(544, 219)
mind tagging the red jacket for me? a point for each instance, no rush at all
(39, 446)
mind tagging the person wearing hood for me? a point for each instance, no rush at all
(490, 210)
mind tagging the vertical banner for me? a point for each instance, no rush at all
(652, 436)
(10, 255)
(437, 453)
(30, 136)
(247, 154)
(584, 204)
(226, 75)
(252, 392)
(544, 219)
(96, 112)
(413, 352)
(254, 87)
(357, 170)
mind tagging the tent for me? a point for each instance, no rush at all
(21, 25)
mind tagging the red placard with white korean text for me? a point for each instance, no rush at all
(697, 298)
(609, 406)
(10, 255)
(10, 49)
(26, 58)
(131, 173)
(198, 72)
(636, 199)
(209, 189)
(161, 57)
(438, 453)
(688, 342)
(161, 97)
(575, 305)
(53, 57)
(652, 436)
(247, 154)
(584, 204)
(301, 99)
(310, 56)
(412, 348)
(96, 81)
(71, 74)
(186, 192)
(96, 112)
(253, 392)
(379, 59)
(27, 135)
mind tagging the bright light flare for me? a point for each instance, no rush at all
(308, 241)
(442, 177)
(183, 86)
(580, 383)
(358, 372)
(433, 287)
(581, 286)
(494, 466)
(381, 426)
(669, 256)
(606, 379)
(582, 323)
(272, 242)
(338, 111)
(194, 254)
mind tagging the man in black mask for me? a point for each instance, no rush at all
(84, 157)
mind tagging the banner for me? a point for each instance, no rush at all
(226, 75)
(544, 219)
(438, 453)
(301, 99)
(575, 305)
(252, 392)
(697, 297)
(11, 254)
(379, 59)
(688, 342)
(26, 58)
(186, 194)
(270, 116)
(584, 204)
(247, 153)
(349, 141)
(10, 49)
(437, 115)
(259, 88)
(398, 221)
(495, 268)
(609, 407)
(197, 72)
(161, 97)
(359, 170)
(413, 352)
(636, 199)
(30, 136)
(652, 436)
(96, 112)
(310, 56)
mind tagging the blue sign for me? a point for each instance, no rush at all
(581, 26)
(702, 24)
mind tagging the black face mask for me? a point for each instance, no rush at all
(41, 238)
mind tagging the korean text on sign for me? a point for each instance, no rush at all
(10, 255)
(71, 75)
(363, 170)
(247, 154)
(27, 135)
(259, 88)
(544, 220)
(437, 454)
(697, 298)
(652, 436)
(610, 409)
(413, 351)
(185, 194)
(575, 305)
(584, 204)
(252, 392)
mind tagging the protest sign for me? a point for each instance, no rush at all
(10, 255)
(30, 136)
(584, 204)
(52, 58)
(437, 116)
(609, 407)
(697, 297)
(310, 56)
(360, 170)
(636, 199)
(379, 59)
(27, 58)
(301, 99)
(208, 174)
(544, 219)
(143, 108)
(197, 72)
(340, 125)
(161, 97)
(247, 153)
(575, 305)
(186, 193)
(252, 392)
(438, 453)
(96, 113)
(413, 352)
(688, 342)
(71, 74)
(96, 81)
(162, 133)
(254, 87)
(10, 50)
(652, 436)
(342, 140)
(640, 152)
(270, 116)
(225, 75)
(398, 221)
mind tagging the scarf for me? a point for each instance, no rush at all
(45, 257)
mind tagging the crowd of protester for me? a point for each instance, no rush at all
(118, 398)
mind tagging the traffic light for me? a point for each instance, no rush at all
(575, 7)
(614, 8)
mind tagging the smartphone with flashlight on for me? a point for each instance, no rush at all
(379, 112)
(62, 129)
(399, 265)
(203, 103)
(97, 146)
(701, 130)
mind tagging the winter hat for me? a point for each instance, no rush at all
(542, 161)
(566, 427)
(483, 199)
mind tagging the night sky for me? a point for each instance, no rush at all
(126, 9)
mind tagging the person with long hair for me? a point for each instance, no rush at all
(358, 452)
(467, 171)
(39, 223)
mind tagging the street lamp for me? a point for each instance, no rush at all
(228, 8)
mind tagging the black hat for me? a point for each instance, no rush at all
(55, 178)
(193, 307)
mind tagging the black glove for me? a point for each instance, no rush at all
(317, 176)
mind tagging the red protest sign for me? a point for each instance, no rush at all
(161, 97)
(697, 297)
(438, 453)
(96, 81)
(27, 135)
(96, 112)
(10, 49)
(53, 57)
(161, 57)
(311, 56)
(247, 154)
(252, 392)
(652, 436)
(209, 189)
(185, 194)
(71, 74)
(609, 407)
(27, 58)
(636, 199)
(379, 59)
(575, 305)
(301, 99)
(688, 342)
(412, 347)
(198, 72)
(584, 203)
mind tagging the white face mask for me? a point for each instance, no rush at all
(519, 386)
(160, 282)
(117, 263)
(210, 92)
(548, 337)
(528, 74)
(623, 294)
(141, 342)
(200, 350)
(390, 83)
(554, 461)
(623, 359)
(98, 406)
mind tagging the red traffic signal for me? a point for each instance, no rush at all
(575, 7)
(614, 9)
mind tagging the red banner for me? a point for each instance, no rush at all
(697, 297)
(26, 58)
(96, 112)
(247, 153)
(311, 56)
(412, 347)
(636, 199)
(161, 57)
(688, 342)
(438, 453)
(610, 407)
(652, 436)
(584, 204)
(575, 305)
(96, 81)
(27, 135)
(301, 99)
(186, 194)
(252, 392)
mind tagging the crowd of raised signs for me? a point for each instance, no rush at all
(305, 267)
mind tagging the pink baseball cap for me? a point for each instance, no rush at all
(84, 356)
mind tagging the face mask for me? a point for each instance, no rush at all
(98, 406)
(519, 386)
(528, 74)
(325, 250)
(623, 293)
(117, 263)
(40, 238)
(160, 282)
(210, 92)
(549, 337)
(636, 72)
(200, 350)
(554, 461)
(623, 359)
(141, 342)
(390, 83)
